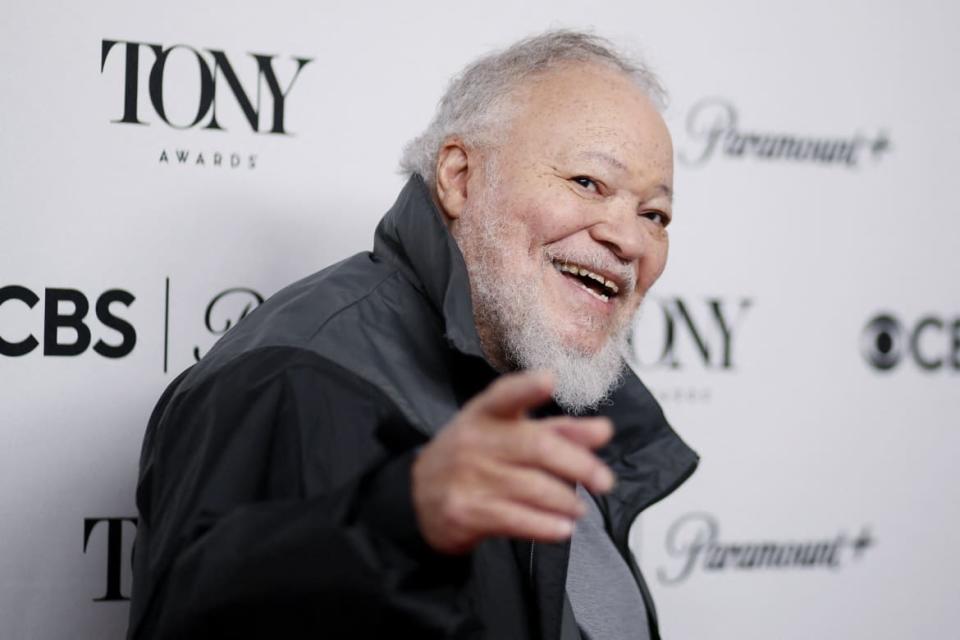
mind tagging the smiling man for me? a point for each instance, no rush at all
(563, 223)
(439, 439)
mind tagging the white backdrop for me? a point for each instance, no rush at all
(816, 147)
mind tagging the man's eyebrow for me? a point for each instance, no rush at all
(606, 158)
(665, 190)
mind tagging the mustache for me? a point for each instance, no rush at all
(596, 259)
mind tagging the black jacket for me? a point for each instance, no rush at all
(274, 490)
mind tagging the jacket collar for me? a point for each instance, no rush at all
(414, 236)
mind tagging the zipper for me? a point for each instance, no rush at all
(532, 543)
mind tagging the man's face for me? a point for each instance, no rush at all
(579, 193)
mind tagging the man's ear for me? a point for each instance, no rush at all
(453, 173)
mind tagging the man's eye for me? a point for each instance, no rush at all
(657, 216)
(587, 183)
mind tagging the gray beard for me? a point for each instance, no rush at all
(508, 313)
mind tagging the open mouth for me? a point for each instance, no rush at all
(592, 282)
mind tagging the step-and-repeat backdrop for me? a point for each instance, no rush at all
(163, 171)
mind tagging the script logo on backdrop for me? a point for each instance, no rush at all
(63, 324)
(694, 541)
(224, 311)
(222, 81)
(685, 334)
(713, 129)
(229, 307)
(931, 342)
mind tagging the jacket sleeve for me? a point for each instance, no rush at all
(275, 501)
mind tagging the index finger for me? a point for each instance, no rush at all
(592, 433)
(532, 445)
(514, 393)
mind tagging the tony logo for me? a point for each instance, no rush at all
(214, 71)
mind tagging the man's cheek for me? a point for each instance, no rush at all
(655, 267)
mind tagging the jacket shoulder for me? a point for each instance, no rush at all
(366, 316)
(295, 316)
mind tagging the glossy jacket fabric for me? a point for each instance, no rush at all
(274, 489)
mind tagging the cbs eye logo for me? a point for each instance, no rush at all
(932, 342)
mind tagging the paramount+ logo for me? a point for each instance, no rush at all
(694, 544)
(226, 310)
(931, 342)
(714, 129)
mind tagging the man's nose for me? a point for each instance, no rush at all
(621, 231)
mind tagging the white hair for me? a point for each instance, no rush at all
(476, 97)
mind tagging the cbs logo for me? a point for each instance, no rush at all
(931, 342)
(66, 331)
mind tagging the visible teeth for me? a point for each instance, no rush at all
(603, 297)
(580, 271)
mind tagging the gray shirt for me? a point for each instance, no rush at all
(603, 593)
